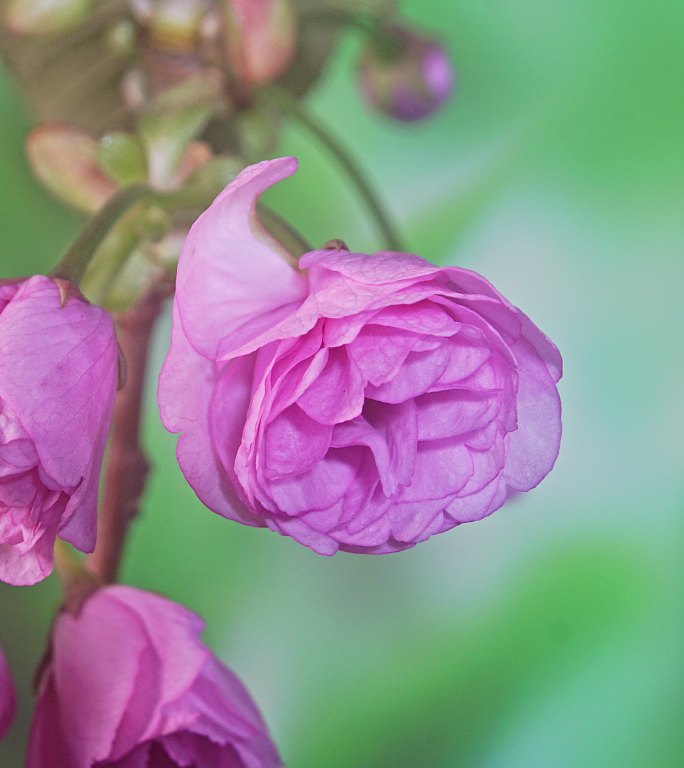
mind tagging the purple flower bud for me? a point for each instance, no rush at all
(407, 78)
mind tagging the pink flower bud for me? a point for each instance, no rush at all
(409, 78)
(58, 373)
(363, 402)
(261, 38)
(65, 159)
(131, 684)
(7, 696)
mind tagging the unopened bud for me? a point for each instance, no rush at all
(409, 77)
(261, 38)
(65, 159)
(122, 156)
(121, 39)
(44, 17)
(174, 25)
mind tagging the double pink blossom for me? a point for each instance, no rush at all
(360, 402)
(58, 371)
(7, 696)
(131, 685)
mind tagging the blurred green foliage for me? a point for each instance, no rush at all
(551, 633)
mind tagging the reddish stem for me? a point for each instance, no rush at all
(127, 465)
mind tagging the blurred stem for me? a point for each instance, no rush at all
(73, 264)
(283, 232)
(275, 94)
(370, 25)
(127, 466)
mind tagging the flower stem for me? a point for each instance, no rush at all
(276, 94)
(73, 264)
(77, 581)
(369, 25)
(127, 466)
(283, 232)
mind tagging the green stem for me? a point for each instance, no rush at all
(279, 96)
(371, 26)
(283, 232)
(73, 264)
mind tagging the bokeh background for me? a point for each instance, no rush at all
(550, 634)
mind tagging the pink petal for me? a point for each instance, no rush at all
(46, 743)
(390, 432)
(294, 443)
(475, 506)
(442, 469)
(187, 384)
(337, 394)
(378, 268)
(221, 281)
(379, 353)
(420, 372)
(322, 486)
(534, 446)
(453, 413)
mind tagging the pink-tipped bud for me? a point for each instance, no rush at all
(407, 78)
(261, 38)
(65, 159)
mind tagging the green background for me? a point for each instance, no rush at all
(550, 634)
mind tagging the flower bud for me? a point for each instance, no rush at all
(261, 38)
(408, 78)
(58, 375)
(122, 156)
(130, 683)
(44, 17)
(65, 159)
(174, 25)
(7, 696)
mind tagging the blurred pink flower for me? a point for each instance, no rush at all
(7, 696)
(58, 370)
(364, 403)
(130, 685)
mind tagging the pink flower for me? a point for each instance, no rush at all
(7, 696)
(130, 685)
(363, 403)
(58, 369)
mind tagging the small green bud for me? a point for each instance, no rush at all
(121, 39)
(122, 156)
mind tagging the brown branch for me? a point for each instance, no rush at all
(127, 466)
